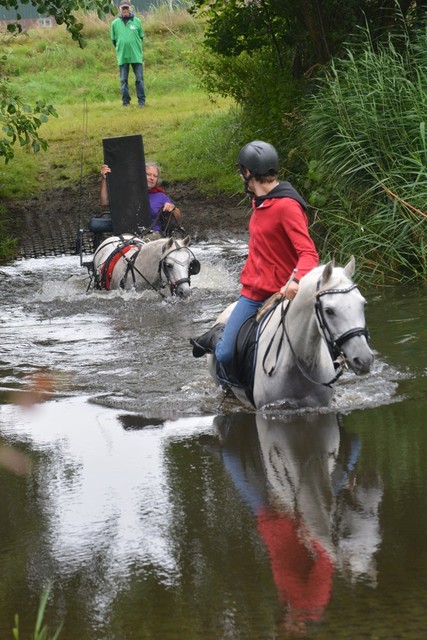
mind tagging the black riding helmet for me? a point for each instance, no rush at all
(260, 158)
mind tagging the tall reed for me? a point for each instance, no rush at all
(366, 127)
(41, 631)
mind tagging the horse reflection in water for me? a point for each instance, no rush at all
(297, 473)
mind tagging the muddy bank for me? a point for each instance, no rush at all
(49, 224)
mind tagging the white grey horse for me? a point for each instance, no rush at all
(129, 262)
(299, 341)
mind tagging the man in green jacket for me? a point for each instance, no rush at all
(127, 36)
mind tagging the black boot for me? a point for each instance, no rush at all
(208, 341)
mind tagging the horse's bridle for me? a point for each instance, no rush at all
(193, 268)
(334, 344)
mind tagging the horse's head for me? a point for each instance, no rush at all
(340, 311)
(177, 264)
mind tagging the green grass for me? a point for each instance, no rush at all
(83, 85)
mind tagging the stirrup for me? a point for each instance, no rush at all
(225, 377)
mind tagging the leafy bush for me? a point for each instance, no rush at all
(266, 97)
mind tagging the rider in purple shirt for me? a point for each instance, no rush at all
(158, 198)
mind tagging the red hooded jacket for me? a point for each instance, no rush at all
(279, 242)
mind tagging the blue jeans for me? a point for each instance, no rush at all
(139, 82)
(244, 308)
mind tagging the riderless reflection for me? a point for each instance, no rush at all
(313, 513)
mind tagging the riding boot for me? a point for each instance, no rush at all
(208, 341)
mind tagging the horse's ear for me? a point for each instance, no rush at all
(167, 245)
(327, 272)
(186, 241)
(350, 268)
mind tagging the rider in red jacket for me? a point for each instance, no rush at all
(278, 243)
(280, 248)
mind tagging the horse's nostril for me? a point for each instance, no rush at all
(362, 365)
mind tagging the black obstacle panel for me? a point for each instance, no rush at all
(127, 184)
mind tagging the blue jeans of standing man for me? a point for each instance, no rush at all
(244, 308)
(139, 82)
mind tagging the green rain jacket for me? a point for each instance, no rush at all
(127, 37)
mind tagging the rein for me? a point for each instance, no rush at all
(334, 345)
(132, 268)
(281, 324)
(171, 222)
(165, 227)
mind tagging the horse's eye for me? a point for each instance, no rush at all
(169, 265)
(329, 312)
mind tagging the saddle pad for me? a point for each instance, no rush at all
(245, 349)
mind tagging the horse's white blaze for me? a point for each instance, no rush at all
(156, 262)
(299, 375)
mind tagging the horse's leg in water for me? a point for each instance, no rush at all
(207, 342)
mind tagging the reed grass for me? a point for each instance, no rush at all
(366, 127)
(41, 631)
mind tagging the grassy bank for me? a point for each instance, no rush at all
(83, 86)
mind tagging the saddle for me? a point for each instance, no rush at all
(243, 363)
(104, 281)
(242, 370)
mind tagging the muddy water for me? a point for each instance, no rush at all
(156, 509)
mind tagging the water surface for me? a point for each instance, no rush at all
(158, 509)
